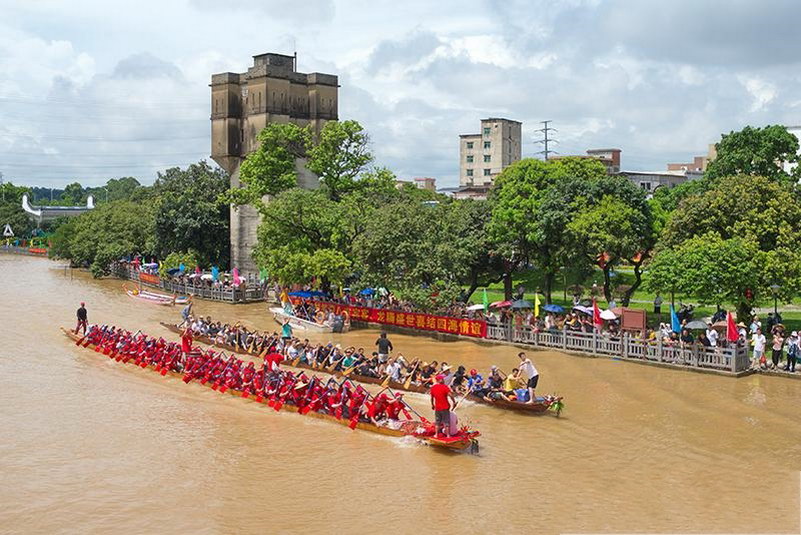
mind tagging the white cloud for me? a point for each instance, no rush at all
(658, 80)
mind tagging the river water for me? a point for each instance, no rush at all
(91, 445)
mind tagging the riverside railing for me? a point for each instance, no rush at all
(228, 295)
(628, 347)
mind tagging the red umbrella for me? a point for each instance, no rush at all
(501, 304)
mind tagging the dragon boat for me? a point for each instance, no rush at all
(542, 404)
(465, 441)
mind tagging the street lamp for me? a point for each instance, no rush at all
(775, 289)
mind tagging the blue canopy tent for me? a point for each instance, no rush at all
(307, 295)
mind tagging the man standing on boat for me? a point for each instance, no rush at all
(531, 372)
(186, 342)
(384, 348)
(82, 323)
(186, 312)
(441, 400)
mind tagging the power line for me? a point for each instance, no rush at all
(105, 139)
(82, 166)
(546, 140)
(100, 155)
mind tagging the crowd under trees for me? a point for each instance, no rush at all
(727, 237)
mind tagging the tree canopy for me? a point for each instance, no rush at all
(756, 151)
(188, 214)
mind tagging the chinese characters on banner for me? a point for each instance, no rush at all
(411, 320)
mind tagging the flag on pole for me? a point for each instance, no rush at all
(597, 320)
(485, 300)
(731, 329)
(536, 305)
(237, 280)
(675, 324)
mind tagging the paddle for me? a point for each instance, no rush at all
(216, 384)
(470, 389)
(333, 366)
(224, 387)
(386, 381)
(408, 382)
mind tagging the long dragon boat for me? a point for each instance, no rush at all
(542, 404)
(465, 441)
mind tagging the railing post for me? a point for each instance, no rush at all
(624, 340)
(564, 337)
(594, 341)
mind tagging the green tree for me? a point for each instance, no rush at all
(188, 214)
(340, 156)
(528, 217)
(106, 233)
(424, 250)
(11, 211)
(271, 168)
(608, 222)
(73, 195)
(758, 215)
(756, 151)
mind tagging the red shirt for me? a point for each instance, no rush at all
(439, 393)
(273, 360)
(186, 342)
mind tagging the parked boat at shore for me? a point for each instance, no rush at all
(155, 298)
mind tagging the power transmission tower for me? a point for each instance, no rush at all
(546, 140)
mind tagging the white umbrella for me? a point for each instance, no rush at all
(207, 277)
(476, 307)
(608, 315)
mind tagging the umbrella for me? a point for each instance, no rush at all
(367, 291)
(585, 310)
(696, 324)
(207, 277)
(608, 315)
(522, 303)
(172, 271)
(304, 295)
(475, 307)
(720, 325)
(500, 304)
(556, 309)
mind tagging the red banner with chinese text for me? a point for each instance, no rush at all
(411, 320)
(149, 278)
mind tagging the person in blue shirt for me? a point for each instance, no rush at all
(286, 331)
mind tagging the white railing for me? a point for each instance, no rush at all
(729, 359)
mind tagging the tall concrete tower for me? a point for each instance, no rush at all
(242, 105)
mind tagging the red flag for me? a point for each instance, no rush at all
(731, 329)
(596, 315)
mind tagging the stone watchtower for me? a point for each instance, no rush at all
(241, 106)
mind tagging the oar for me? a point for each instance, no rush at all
(470, 389)
(333, 366)
(408, 382)
(216, 384)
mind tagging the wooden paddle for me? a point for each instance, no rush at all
(408, 382)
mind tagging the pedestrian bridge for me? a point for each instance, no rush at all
(48, 213)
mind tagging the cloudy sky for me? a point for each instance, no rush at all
(91, 90)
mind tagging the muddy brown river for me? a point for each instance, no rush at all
(92, 445)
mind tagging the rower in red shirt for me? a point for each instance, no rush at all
(395, 407)
(441, 399)
(272, 360)
(186, 342)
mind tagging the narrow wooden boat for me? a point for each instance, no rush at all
(542, 405)
(154, 298)
(406, 429)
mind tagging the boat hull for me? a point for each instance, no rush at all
(299, 323)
